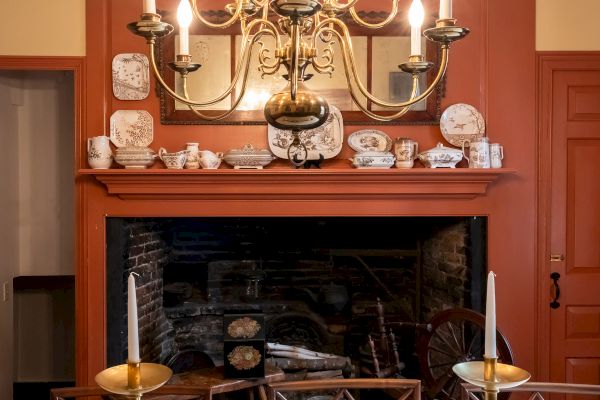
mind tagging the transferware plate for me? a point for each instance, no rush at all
(131, 128)
(369, 140)
(130, 76)
(325, 140)
(461, 122)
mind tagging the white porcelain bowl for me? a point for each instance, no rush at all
(440, 157)
(373, 159)
(135, 157)
(248, 157)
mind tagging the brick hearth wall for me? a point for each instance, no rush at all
(147, 255)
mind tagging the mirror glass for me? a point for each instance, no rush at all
(378, 52)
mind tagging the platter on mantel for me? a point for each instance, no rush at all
(461, 122)
(131, 128)
(369, 140)
(325, 140)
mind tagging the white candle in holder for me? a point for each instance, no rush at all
(416, 15)
(149, 6)
(133, 345)
(184, 17)
(445, 9)
(490, 318)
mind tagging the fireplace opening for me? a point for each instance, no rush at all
(316, 280)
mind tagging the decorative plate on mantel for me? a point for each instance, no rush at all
(461, 122)
(130, 76)
(325, 140)
(131, 128)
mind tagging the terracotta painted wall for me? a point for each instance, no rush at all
(480, 73)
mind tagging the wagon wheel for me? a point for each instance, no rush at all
(456, 335)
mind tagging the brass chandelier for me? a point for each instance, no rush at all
(299, 28)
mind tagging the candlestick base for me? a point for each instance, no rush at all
(491, 375)
(117, 379)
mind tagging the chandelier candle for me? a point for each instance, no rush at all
(445, 9)
(149, 7)
(416, 15)
(184, 17)
(133, 345)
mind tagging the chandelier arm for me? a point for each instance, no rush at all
(342, 7)
(350, 67)
(234, 17)
(384, 118)
(235, 104)
(244, 61)
(377, 25)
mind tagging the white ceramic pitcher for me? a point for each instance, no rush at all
(478, 152)
(496, 155)
(99, 154)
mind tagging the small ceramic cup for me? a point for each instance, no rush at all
(173, 160)
(210, 160)
(406, 151)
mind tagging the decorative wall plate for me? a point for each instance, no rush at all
(130, 76)
(369, 140)
(325, 140)
(461, 122)
(131, 128)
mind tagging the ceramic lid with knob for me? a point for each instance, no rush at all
(441, 149)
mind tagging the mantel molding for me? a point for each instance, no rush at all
(280, 184)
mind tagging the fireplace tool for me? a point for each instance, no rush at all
(132, 380)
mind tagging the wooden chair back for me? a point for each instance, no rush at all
(537, 390)
(338, 389)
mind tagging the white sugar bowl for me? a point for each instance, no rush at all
(440, 157)
(373, 159)
(173, 160)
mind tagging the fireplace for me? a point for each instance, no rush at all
(317, 280)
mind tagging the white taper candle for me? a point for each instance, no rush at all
(416, 15)
(490, 318)
(445, 9)
(133, 344)
(149, 6)
(184, 40)
(415, 40)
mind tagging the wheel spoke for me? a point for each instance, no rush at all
(442, 364)
(455, 337)
(447, 342)
(471, 349)
(431, 347)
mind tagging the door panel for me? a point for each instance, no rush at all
(574, 226)
(583, 202)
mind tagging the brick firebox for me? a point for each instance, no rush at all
(427, 265)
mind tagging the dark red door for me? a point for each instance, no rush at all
(574, 226)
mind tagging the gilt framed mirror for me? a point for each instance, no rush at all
(378, 53)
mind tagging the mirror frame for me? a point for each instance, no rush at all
(165, 50)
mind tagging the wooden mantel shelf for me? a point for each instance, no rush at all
(296, 184)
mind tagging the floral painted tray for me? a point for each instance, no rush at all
(369, 140)
(325, 140)
(130, 76)
(131, 128)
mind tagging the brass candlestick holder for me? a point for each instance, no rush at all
(491, 376)
(133, 379)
